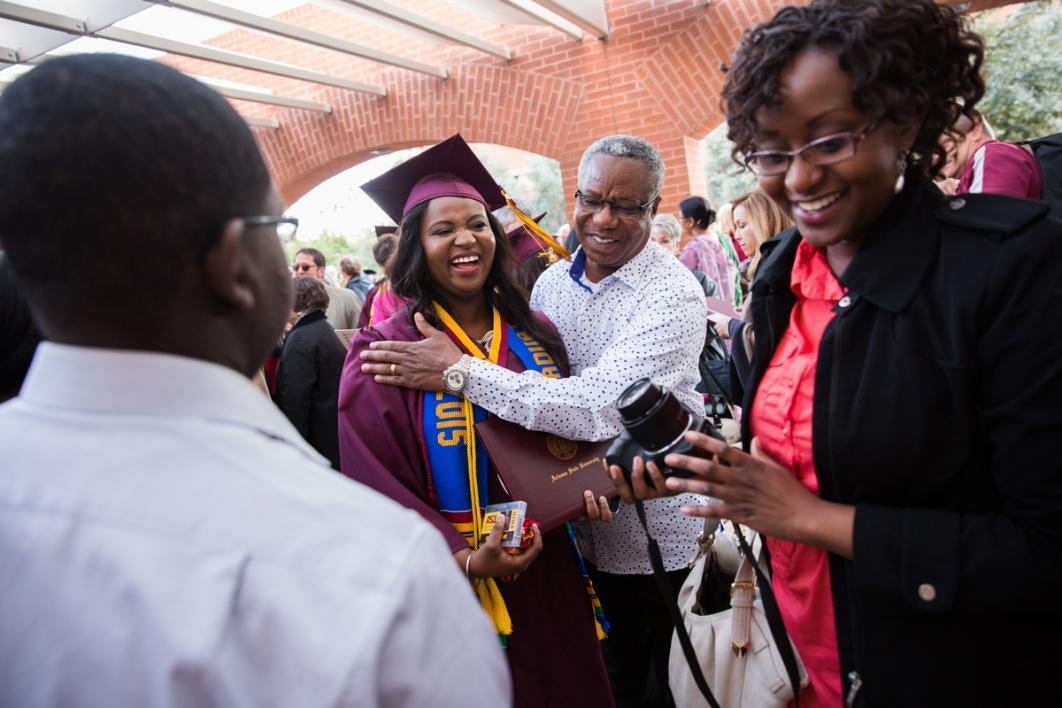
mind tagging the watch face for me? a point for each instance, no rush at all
(455, 380)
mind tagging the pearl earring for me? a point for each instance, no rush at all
(901, 167)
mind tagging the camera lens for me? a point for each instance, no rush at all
(652, 415)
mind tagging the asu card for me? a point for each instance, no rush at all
(515, 512)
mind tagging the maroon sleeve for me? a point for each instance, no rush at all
(379, 445)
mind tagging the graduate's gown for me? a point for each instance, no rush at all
(553, 652)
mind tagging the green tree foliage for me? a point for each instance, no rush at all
(337, 246)
(1023, 66)
(726, 179)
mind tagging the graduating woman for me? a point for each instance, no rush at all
(453, 266)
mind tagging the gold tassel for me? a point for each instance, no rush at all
(493, 604)
(540, 234)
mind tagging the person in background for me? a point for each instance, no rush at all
(723, 229)
(977, 162)
(625, 311)
(757, 220)
(902, 410)
(343, 306)
(354, 279)
(452, 268)
(307, 380)
(167, 537)
(18, 334)
(703, 251)
(666, 232)
(381, 301)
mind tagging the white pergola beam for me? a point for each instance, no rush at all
(221, 56)
(42, 18)
(597, 26)
(271, 123)
(540, 14)
(398, 14)
(257, 97)
(289, 31)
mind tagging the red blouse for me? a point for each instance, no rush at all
(781, 419)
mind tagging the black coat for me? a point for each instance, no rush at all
(307, 389)
(938, 414)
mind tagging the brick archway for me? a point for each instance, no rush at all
(657, 75)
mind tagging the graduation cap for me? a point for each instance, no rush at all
(449, 169)
(525, 244)
(384, 230)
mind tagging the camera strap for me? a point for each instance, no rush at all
(770, 609)
(657, 563)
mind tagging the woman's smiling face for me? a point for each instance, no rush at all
(458, 246)
(837, 203)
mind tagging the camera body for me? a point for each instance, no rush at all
(654, 426)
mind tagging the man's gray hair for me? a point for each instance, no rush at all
(669, 225)
(631, 148)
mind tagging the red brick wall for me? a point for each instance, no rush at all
(657, 76)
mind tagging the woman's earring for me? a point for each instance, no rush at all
(901, 166)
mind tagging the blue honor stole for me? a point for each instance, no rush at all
(446, 433)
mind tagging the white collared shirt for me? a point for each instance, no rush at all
(648, 318)
(168, 539)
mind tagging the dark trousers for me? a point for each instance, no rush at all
(639, 638)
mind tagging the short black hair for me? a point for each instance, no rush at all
(310, 294)
(907, 58)
(698, 209)
(116, 171)
(18, 334)
(317, 256)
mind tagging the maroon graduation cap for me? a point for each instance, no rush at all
(384, 230)
(525, 244)
(449, 169)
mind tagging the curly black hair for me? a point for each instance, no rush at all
(410, 279)
(907, 59)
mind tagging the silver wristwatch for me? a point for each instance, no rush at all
(455, 378)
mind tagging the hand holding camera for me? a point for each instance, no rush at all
(655, 426)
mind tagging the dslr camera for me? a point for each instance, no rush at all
(654, 426)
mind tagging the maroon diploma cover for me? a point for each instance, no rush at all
(549, 472)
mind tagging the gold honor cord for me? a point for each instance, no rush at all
(537, 232)
(486, 588)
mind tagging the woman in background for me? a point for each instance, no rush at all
(307, 388)
(704, 252)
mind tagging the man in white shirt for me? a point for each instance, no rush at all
(625, 310)
(166, 537)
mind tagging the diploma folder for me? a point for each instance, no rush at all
(547, 471)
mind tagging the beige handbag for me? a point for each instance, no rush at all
(737, 653)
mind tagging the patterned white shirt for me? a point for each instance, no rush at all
(647, 319)
(167, 539)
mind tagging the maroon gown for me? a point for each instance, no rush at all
(553, 652)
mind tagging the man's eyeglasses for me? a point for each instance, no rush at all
(827, 150)
(302, 267)
(286, 226)
(627, 210)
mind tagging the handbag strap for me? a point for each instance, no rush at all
(774, 617)
(657, 563)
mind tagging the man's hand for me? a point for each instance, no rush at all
(419, 365)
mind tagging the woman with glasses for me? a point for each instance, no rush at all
(902, 414)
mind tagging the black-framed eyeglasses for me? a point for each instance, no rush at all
(824, 151)
(286, 226)
(627, 210)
